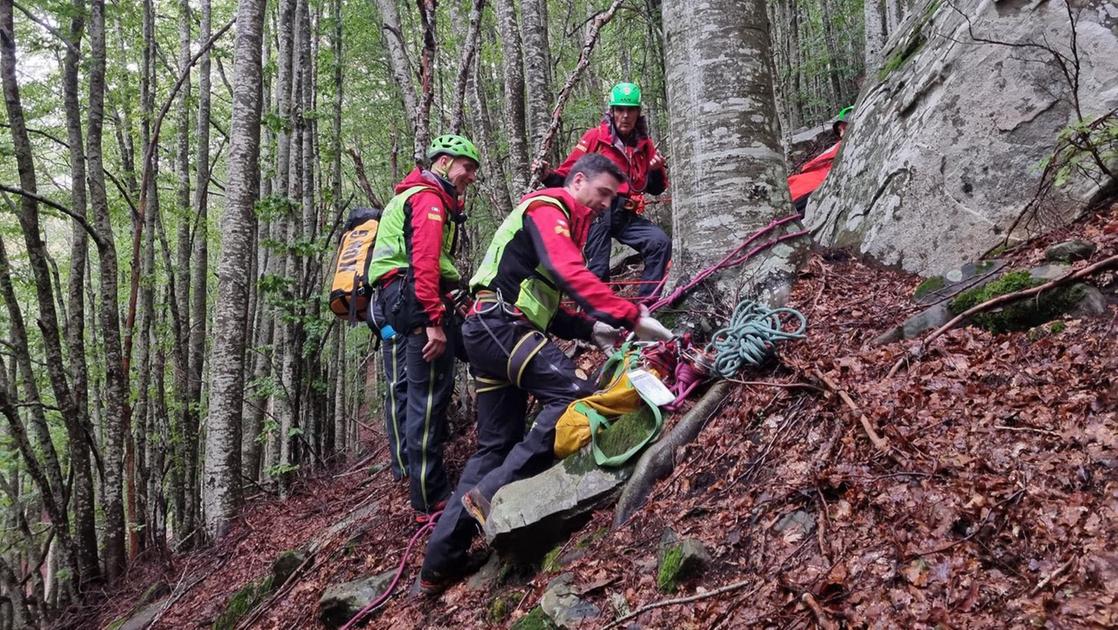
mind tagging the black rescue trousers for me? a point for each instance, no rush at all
(420, 393)
(505, 453)
(635, 231)
(393, 352)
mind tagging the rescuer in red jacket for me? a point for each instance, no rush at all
(623, 138)
(533, 261)
(811, 175)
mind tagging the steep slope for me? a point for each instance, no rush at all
(994, 506)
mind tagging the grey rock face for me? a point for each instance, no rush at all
(1070, 251)
(527, 515)
(340, 602)
(561, 603)
(942, 153)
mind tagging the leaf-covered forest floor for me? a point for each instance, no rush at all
(997, 507)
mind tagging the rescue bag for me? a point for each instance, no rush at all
(585, 418)
(350, 291)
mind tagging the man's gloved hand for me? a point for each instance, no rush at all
(605, 336)
(649, 329)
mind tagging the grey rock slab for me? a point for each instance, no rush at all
(1050, 272)
(933, 317)
(967, 276)
(1070, 251)
(142, 617)
(1092, 302)
(528, 515)
(340, 602)
(561, 603)
(941, 154)
(930, 319)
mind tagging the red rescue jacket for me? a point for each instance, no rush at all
(549, 239)
(632, 159)
(425, 238)
(812, 174)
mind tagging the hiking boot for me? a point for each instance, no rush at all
(476, 506)
(433, 583)
(426, 517)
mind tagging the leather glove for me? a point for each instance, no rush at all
(649, 329)
(605, 336)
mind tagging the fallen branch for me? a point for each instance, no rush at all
(878, 442)
(1052, 576)
(821, 617)
(684, 600)
(1105, 263)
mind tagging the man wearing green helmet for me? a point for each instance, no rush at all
(811, 175)
(623, 138)
(412, 267)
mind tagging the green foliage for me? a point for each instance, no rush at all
(501, 606)
(667, 575)
(281, 470)
(243, 601)
(550, 561)
(534, 620)
(1021, 314)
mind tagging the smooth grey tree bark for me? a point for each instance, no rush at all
(400, 65)
(537, 67)
(874, 20)
(77, 425)
(221, 480)
(513, 65)
(112, 501)
(723, 129)
(199, 269)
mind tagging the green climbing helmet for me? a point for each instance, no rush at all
(453, 145)
(625, 95)
(843, 113)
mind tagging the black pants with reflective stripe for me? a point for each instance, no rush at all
(395, 390)
(506, 452)
(635, 231)
(420, 393)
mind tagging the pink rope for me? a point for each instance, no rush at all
(428, 526)
(733, 258)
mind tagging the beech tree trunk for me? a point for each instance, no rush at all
(514, 95)
(77, 426)
(221, 481)
(537, 67)
(115, 418)
(723, 128)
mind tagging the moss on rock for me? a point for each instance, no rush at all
(935, 283)
(627, 431)
(241, 602)
(501, 606)
(1022, 314)
(534, 620)
(667, 576)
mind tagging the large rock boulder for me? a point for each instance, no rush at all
(945, 150)
(527, 516)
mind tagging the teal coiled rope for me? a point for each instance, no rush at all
(751, 336)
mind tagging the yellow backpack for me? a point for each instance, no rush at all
(350, 291)
(585, 418)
